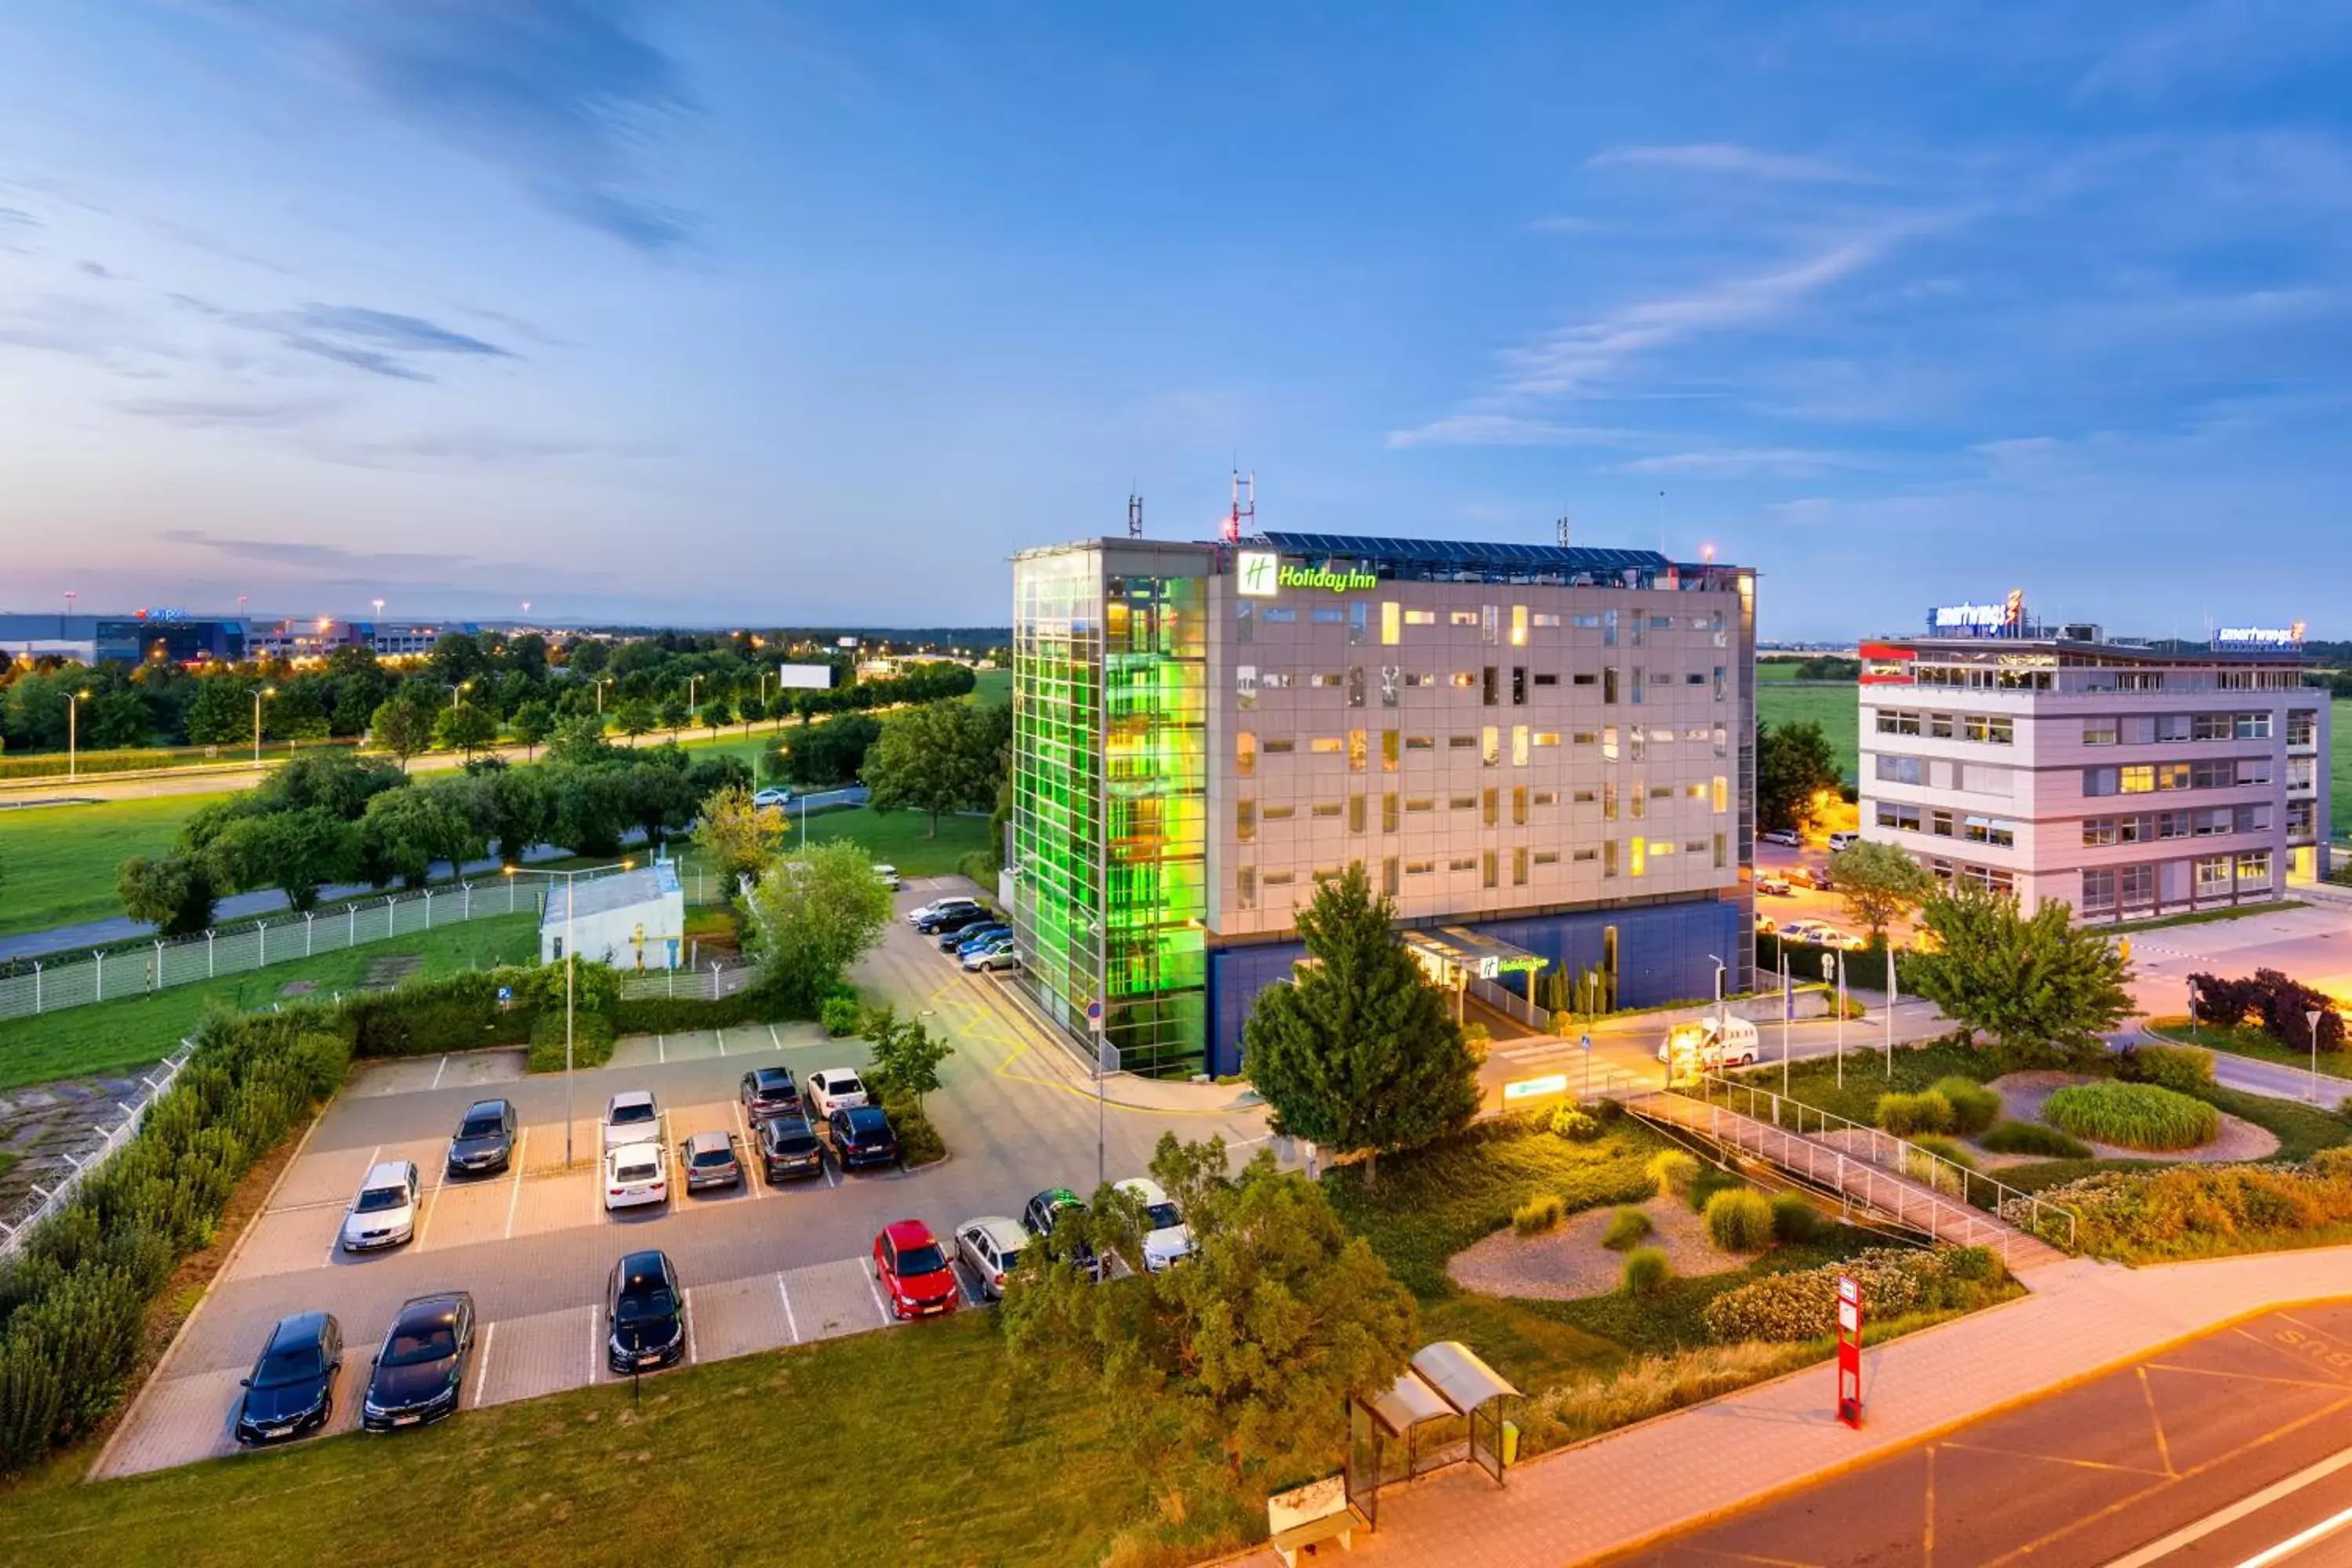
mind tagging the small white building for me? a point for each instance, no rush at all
(631, 919)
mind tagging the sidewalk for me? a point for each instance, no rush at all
(1606, 1495)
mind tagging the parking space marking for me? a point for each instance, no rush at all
(439, 1070)
(876, 1291)
(686, 1305)
(482, 1368)
(661, 1049)
(522, 1145)
(594, 1312)
(789, 1321)
(758, 1185)
(777, 1038)
(432, 1200)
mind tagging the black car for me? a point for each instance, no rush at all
(292, 1388)
(647, 1313)
(1045, 1210)
(485, 1139)
(790, 1147)
(961, 934)
(421, 1369)
(862, 1136)
(770, 1091)
(942, 922)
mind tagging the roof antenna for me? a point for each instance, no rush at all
(1662, 522)
(1562, 529)
(1134, 515)
(1245, 505)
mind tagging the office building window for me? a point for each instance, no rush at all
(2100, 732)
(1490, 746)
(1391, 751)
(1324, 745)
(1518, 686)
(1418, 868)
(1245, 820)
(1355, 814)
(1490, 623)
(1389, 875)
(1542, 619)
(1245, 622)
(1464, 679)
(1245, 753)
(1325, 615)
(2254, 868)
(1608, 803)
(1520, 867)
(1609, 857)
(1486, 868)
(1388, 812)
(1637, 856)
(1280, 748)
(1245, 686)
(1519, 806)
(2302, 727)
(1355, 685)
(1325, 809)
(1461, 618)
(1637, 683)
(1898, 770)
(1547, 738)
(1518, 745)
(1487, 686)
(1422, 803)
(1420, 744)
(1358, 613)
(1892, 813)
(1391, 623)
(1420, 617)
(1608, 683)
(1519, 625)
(1488, 800)
(2098, 890)
(1721, 847)
(1720, 794)
(1245, 886)
(1608, 629)
(1355, 751)
(1276, 813)
(2213, 873)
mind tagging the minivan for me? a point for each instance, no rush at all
(1708, 1045)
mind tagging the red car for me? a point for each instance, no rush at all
(917, 1278)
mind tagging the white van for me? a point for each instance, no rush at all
(1846, 838)
(1708, 1044)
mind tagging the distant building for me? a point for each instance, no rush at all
(124, 639)
(301, 639)
(630, 920)
(2054, 763)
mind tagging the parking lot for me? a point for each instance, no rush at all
(762, 1267)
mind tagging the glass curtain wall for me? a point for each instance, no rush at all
(1057, 722)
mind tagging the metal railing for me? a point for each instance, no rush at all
(1510, 1004)
(702, 983)
(55, 1198)
(107, 976)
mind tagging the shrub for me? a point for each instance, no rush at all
(1974, 1107)
(1608, 1112)
(2195, 1211)
(592, 1041)
(2132, 1116)
(1574, 1125)
(2185, 1069)
(919, 1142)
(840, 1015)
(1706, 1183)
(1794, 1219)
(1739, 1219)
(1950, 1149)
(1539, 1214)
(1626, 1227)
(2032, 1138)
(1674, 1170)
(1646, 1271)
(1973, 1264)
(1893, 1281)
(1904, 1114)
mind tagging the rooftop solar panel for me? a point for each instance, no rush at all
(1464, 553)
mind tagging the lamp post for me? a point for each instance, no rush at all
(456, 692)
(258, 694)
(601, 681)
(2311, 1017)
(73, 739)
(567, 876)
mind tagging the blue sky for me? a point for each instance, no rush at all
(762, 312)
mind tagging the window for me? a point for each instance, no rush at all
(2257, 770)
(2137, 886)
(1356, 813)
(1586, 623)
(1547, 738)
(2169, 727)
(1634, 739)
(1324, 808)
(1280, 748)
(1548, 856)
(1245, 820)
(1939, 726)
(2098, 832)
(1245, 886)
(1355, 751)
(1989, 830)
(1519, 806)
(1277, 878)
(1608, 683)
(2211, 775)
(2211, 727)
(1719, 739)
(1419, 743)
(1718, 683)
(1355, 685)
(2254, 866)
(1461, 618)
(2099, 733)
(1547, 677)
(1464, 679)
(1332, 679)
(1898, 721)
(1278, 813)
(1551, 796)
(2302, 773)
(1637, 857)
(1389, 684)
(1391, 623)
(1325, 615)
(1587, 854)
(1490, 746)
(1637, 683)
(1462, 802)
(1357, 614)
(1519, 625)
(1388, 812)
(1609, 857)
(1544, 620)
(1418, 868)
(1422, 803)
(2098, 890)
(2213, 873)
(1490, 623)
(2174, 775)
(1326, 745)
(1389, 875)
(1719, 796)
(1609, 741)
(1583, 678)
(1245, 753)
(1488, 684)
(1420, 617)
(1488, 802)
(1893, 814)
(2302, 727)
(1391, 751)
(1518, 686)
(1638, 800)
(1273, 681)
(1898, 770)
(1245, 622)
(1460, 742)
(1608, 803)
(1518, 745)
(1462, 863)
(1520, 867)
(2138, 779)
(1940, 823)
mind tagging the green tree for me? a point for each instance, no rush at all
(1794, 765)
(637, 717)
(464, 727)
(403, 727)
(939, 758)
(406, 830)
(534, 721)
(589, 807)
(739, 838)
(1237, 1368)
(173, 893)
(118, 716)
(1878, 882)
(1359, 1050)
(813, 917)
(717, 714)
(661, 795)
(294, 851)
(222, 712)
(674, 714)
(456, 657)
(814, 756)
(2035, 982)
(511, 808)
(906, 1056)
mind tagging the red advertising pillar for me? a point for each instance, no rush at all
(1849, 1347)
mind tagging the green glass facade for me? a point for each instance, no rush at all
(1110, 822)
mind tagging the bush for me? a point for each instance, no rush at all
(840, 1015)
(1950, 1149)
(1626, 1227)
(1674, 1172)
(2132, 1116)
(1803, 1305)
(2185, 1069)
(1904, 1114)
(919, 1142)
(1574, 1125)
(1539, 1214)
(1974, 1107)
(1608, 1112)
(1975, 1265)
(592, 1041)
(2196, 1211)
(1739, 1219)
(1646, 1271)
(1795, 1220)
(2032, 1138)
(1706, 1183)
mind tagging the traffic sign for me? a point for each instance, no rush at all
(1848, 1350)
(1094, 1012)
(1584, 1042)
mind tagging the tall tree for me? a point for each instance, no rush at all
(534, 721)
(939, 758)
(637, 717)
(1879, 881)
(1794, 765)
(406, 830)
(1360, 1051)
(740, 837)
(813, 916)
(2037, 981)
(403, 727)
(172, 892)
(294, 851)
(466, 727)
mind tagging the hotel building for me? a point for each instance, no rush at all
(1542, 753)
(2122, 779)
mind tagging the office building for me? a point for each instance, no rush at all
(1542, 753)
(132, 639)
(2121, 779)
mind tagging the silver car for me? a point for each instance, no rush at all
(384, 1212)
(632, 1117)
(990, 1246)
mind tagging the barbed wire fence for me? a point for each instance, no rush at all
(12, 1235)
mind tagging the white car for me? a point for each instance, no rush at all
(889, 875)
(990, 1246)
(832, 1089)
(1708, 1044)
(636, 1173)
(773, 797)
(1787, 835)
(1843, 839)
(1169, 1239)
(632, 1117)
(384, 1212)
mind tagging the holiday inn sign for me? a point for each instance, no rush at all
(1263, 574)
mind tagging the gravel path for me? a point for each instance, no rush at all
(2023, 1095)
(1569, 1261)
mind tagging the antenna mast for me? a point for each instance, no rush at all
(1561, 526)
(1245, 505)
(1134, 516)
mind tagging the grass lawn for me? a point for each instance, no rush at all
(113, 1037)
(1814, 1082)
(1836, 708)
(60, 861)
(898, 839)
(2339, 753)
(2245, 1041)
(942, 1458)
(2205, 917)
(993, 685)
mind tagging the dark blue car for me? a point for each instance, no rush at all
(292, 1388)
(862, 1136)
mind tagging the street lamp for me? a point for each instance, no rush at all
(456, 692)
(258, 696)
(567, 876)
(2312, 1017)
(73, 707)
(601, 681)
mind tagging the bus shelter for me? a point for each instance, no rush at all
(1444, 1408)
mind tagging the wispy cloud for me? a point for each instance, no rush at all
(1725, 158)
(230, 413)
(376, 342)
(1740, 462)
(1504, 430)
(388, 564)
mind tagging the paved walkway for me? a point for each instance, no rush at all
(1632, 1486)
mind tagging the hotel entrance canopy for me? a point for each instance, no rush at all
(1453, 955)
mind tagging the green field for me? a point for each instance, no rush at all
(57, 863)
(1836, 708)
(2339, 766)
(113, 1037)
(898, 838)
(994, 686)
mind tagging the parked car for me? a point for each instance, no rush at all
(952, 920)
(647, 1312)
(1787, 835)
(1001, 955)
(862, 1135)
(421, 1369)
(1844, 838)
(631, 1116)
(1169, 1239)
(484, 1142)
(770, 1091)
(772, 796)
(291, 1388)
(1808, 931)
(889, 875)
(1774, 886)
(1708, 1044)
(636, 1174)
(1816, 877)
(938, 909)
(383, 1214)
(710, 1160)
(790, 1147)
(964, 940)
(831, 1088)
(1045, 1210)
(916, 1279)
(990, 1246)
(1766, 925)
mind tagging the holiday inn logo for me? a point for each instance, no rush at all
(1324, 577)
(1262, 575)
(1260, 571)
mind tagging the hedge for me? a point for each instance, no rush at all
(1865, 971)
(2132, 1116)
(73, 1303)
(1803, 1305)
(2195, 1211)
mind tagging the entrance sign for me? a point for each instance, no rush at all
(1849, 1350)
(1535, 1088)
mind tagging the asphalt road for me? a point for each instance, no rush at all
(2224, 1452)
